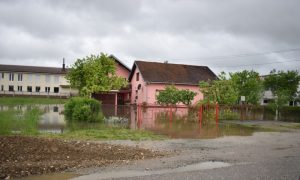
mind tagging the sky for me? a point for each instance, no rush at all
(225, 35)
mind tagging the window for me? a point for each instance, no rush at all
(37, 89)
(29, 88)
(47, 89)
(137, 76)
(2, 87)
(11, 76)
(56, 89)
(10, 88)
(20, 77)
(48, 78)
(2, 75)
(20, 88)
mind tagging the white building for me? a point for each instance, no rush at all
(16, 80)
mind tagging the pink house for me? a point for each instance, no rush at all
(148, 78)
(116, 97)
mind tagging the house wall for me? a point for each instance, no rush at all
(147, 93)
(121, 71)
(34, 80)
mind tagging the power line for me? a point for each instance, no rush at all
(257, 64)
(238, 55)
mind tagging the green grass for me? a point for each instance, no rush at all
(17, 122)
(108, 133)
(29, 100)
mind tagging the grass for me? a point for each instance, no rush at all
(29, 100)
(17, 122)
(108, 133)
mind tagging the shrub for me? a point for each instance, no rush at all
(83, 109)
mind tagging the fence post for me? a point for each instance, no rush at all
(200, 114)
(217, 112)
(171, 113)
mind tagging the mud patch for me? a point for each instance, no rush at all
(23, 156)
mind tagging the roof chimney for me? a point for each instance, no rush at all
(166, 62)
(63, 65)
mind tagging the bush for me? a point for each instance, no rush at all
(83, 109)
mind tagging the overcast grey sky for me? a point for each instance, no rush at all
(226, 35)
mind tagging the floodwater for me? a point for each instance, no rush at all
(173, 123)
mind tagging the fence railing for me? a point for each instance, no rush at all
(24, 93)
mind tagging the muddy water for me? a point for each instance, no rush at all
(175, 123)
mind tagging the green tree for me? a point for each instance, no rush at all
(169, 96)
(186, 96)
(248, 84)
(283, 85)
(219, 91)
(95, 73)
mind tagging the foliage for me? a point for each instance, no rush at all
(169, 96)
(83, 109)
(108, 133)
(29, 100)
(95, 73)
(186, 96)
(248, 84)
(13, 121)
(172, 96)
(283, 85)
(220, 91)
(228, 114)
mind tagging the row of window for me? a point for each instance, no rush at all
(11, 77)
(30, 89)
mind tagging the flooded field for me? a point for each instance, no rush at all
(173, 123)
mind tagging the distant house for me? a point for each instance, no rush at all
(148, 78)
(16, 80)
(116, 96)
(268, 97)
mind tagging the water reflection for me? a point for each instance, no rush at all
(172, 122)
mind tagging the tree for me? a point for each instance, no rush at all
(283, 85)
(171, 96)
(95, 73)
(186, 96)
(248, 84)
(219, 91)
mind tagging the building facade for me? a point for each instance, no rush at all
(148, 78)
(18, 80)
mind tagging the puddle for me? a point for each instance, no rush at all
(178, 123)
(54, 176)
(134, 173)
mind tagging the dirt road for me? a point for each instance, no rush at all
(265, 155)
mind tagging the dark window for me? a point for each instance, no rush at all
(137, 76)
(11, 88)
(11, 76)
(29, 88)
(2, 75)
(20, 77)
(266, 101)
(139, 86)
(47, 89)
(2, 87)
(55, 109)
(37, 89)
(56, 89)
(20, 88)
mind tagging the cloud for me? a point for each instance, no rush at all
(180, 31)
